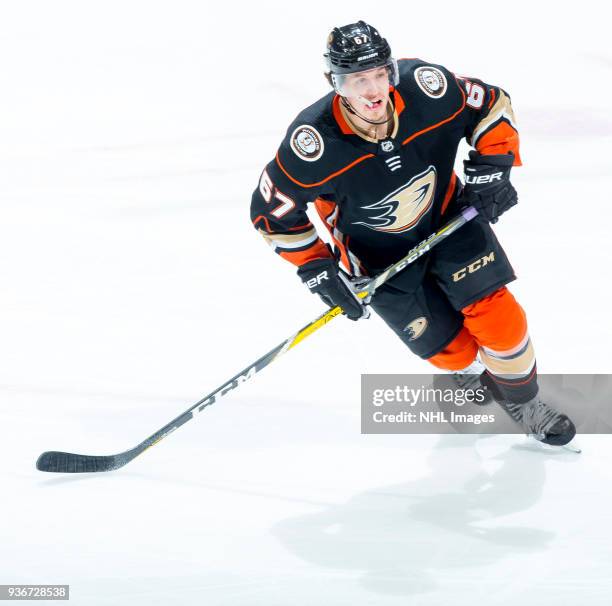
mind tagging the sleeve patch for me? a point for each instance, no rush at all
(307, 143)
(431, 81)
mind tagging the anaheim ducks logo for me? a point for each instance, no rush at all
(401, 210)
(416, 328)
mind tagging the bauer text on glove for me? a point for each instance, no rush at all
(487, 184)
(323, 278)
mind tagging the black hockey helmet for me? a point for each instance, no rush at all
(357, 47)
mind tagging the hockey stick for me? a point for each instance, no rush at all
(66, 462)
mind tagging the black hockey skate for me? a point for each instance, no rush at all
(537, 418)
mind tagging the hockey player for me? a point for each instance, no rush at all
(375, 156)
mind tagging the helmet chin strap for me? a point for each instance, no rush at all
(353, 111)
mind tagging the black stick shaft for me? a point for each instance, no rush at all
(66, 462)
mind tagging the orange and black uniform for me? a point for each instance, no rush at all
(378, 199)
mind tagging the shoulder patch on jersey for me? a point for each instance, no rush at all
(307, 143)
(431, 81)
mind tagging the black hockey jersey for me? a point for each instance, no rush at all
(378, 199)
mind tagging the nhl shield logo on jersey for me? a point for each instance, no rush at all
(307, 143)
(401, 210)
(431, 81)
(416, 328)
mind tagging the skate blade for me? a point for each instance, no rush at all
(570, 446)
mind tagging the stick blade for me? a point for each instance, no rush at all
(68, 462)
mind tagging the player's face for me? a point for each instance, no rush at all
(371, 85)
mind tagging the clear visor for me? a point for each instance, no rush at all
(367, 82)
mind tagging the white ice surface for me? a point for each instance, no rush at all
(131, 137)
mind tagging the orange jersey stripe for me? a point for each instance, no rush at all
(338, 172)
(500, 140)
(271, 231)
(449, 192)
(438, 124)
(325, 209)
(317, 251)
(492, 98)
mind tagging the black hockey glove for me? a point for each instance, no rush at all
(487, 184)
(323, 278)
